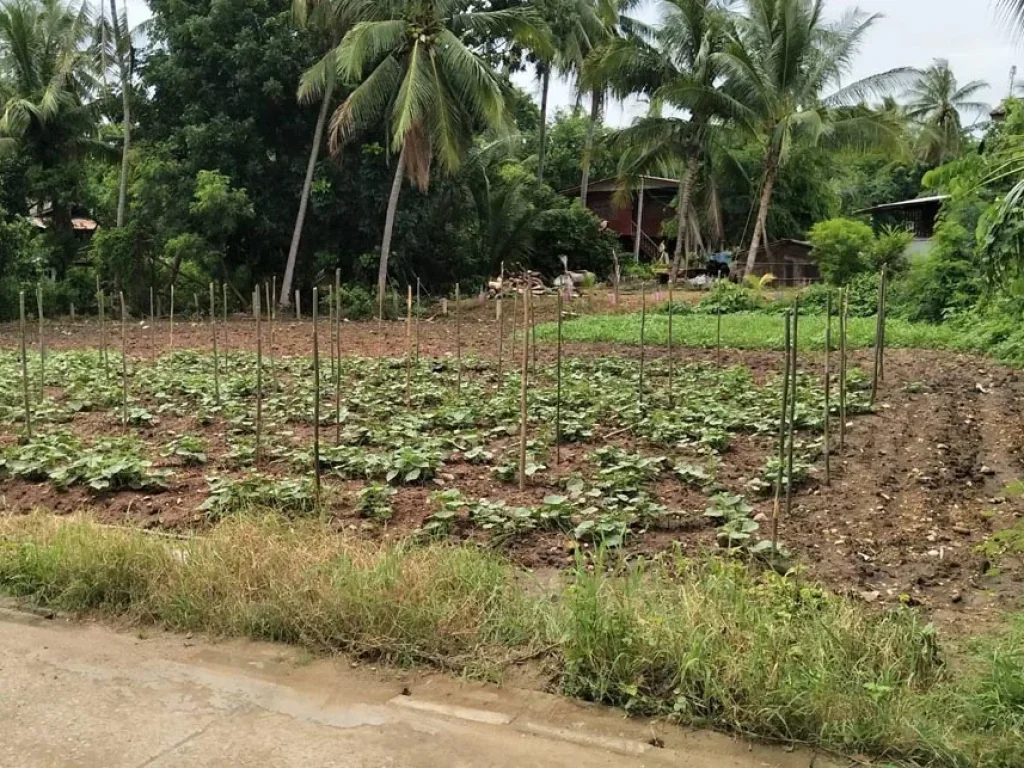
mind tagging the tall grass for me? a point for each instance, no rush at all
(752, 330)
(701, 641)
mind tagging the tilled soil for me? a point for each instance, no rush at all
(917, 487)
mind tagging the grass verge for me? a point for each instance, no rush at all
(762, 330)
(704, 642)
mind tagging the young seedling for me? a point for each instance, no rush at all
(24, 369)
(213, 336)
(524, 380)
(316, 399)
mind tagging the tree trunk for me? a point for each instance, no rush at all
(682, 230)
(770, 171)
(542, 131)
(389, 225)
(307, 186)
(122, 192)
(588, 148)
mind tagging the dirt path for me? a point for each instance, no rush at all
(86, 696)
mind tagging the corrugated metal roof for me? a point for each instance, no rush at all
(916, 202)
(612, 184)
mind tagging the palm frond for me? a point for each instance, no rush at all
(366, 43)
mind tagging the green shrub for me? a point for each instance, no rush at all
(727, 298)
(842, 248)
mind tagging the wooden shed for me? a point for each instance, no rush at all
(647, 200)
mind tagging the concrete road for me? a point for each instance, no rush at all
(84, 695)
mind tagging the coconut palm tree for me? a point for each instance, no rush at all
(575, 30)
(938, 103)
(47, 78)
(417, 76)
(679, 70)
(784, 66)
(334, 18)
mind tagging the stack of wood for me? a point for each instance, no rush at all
(506, 285)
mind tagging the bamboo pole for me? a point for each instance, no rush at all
(171, 343)
(213, 335)
(885, 318)
(408, 345)
(718, 335)
(419, 314)
(828, 389)
(316, 400)
(24, 369)
(844, 316)
(259, 374)
(878, 338)
(558, 385)
(458, 341)
(270, 331)
(792, 409)
(523, 383)
(152, 324)
(783, 411)
(501, 340)
(330, 329)
(515, 320)
(643, 328)
(671, 351)
(337, 370)
(199, 313)
(42, 342)
(103, 332)
(124, 362)
(298, 305)
(533, 329)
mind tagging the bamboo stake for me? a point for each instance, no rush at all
(337, 371)
(533, 330)
(718, 335)
(558, 386)
(419, 314)
(42, 343)
(878, 338)
(501, 340)
(316, 400)
(270, 333)
(152, 324)
(524, 380)
(671, 352)
(643, 328)
(103, 332)
(298, 305)
(124, 362)
(330, 328)
(213, 335)
(844, 310)
(171, 344)
(782, 436)
(885, 318)
(515, 320)
(408, 344)
(259, 374)
(24, 369)
(828, 388)
(224, 321)
(458, 341)
(792, 409)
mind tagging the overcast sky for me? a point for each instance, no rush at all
(912, 33)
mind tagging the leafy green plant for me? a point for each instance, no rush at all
(110, 465)
(410, 464)
(727, 298)
(188, 449)
(255, 492)
(374, 502)
(439, 524)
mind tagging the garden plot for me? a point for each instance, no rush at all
(407, 452)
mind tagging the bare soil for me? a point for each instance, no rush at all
(916, 488)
